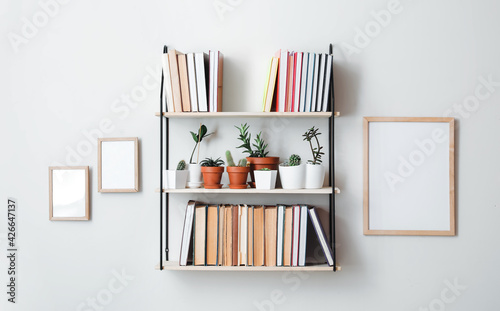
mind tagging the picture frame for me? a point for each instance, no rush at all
(69, 196)
(118, 164)
(409, 176)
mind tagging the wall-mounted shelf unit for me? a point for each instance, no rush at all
(330, 190)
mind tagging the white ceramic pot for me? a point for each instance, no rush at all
(292, 177)
(174, 179)
(195, 177)
(315, 176)
(265, 179)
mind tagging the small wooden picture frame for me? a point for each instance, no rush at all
(69, 197)
(409, 176)
(118, 164)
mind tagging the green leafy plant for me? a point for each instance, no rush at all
(264, 169)
(294, 160)
(246, 139)
(311, 134)
(181, 165)
(230, 161)
(198, 137)
(211, 162)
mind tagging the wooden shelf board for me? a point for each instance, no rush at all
(248, 114)
(174, 266)
(325, 190)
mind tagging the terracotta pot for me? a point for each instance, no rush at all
(259, 163)
(238, 177)
(212, 176)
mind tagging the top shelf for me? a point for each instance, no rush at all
(248, 114)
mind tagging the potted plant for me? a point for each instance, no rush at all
(176, 179)
(265, 178)
(212, 172)
(315, 171)
(194, 178)
(292, 173)
(237, 173)
(257, 158)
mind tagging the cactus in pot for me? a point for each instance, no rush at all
(238, 174)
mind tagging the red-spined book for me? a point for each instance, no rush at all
(289, 83)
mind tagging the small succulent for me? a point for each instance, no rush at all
(211, 162)
(230, 161)
(294, 160)
(242, 163)
(264, 169)
(181, 165)
(316, 151)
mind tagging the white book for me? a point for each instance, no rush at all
(303, 84)
(283, 77)
(303, 235)
(321, 82)
(193, 96)
(298, 71)
(168, 98)
(310, 73)
(212, 83)
(295, 235)
(280, 233)
(186, 233)
(314, 106)
(200, 60)
(216, 81)
(327, 81)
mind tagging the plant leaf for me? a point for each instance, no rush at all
(195, 137)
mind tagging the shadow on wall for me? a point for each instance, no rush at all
(233, 93)
(346, 87)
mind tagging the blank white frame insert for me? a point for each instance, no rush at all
(118, 164)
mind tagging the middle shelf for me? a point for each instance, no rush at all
(324, 190)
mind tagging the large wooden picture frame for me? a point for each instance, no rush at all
(409, 176)
(69, 197)
(118, 164)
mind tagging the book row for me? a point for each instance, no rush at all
(245, 235)
(192, 81)
(298, 82)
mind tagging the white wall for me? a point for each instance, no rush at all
(72, 73)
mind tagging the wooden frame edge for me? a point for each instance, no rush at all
(366, 228)
(87, 192)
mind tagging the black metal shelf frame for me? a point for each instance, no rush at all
(164, 163)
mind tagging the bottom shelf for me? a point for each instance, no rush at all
(174, 265)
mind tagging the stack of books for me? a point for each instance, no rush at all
(244, 235)
(192, 81)
(298, 82)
